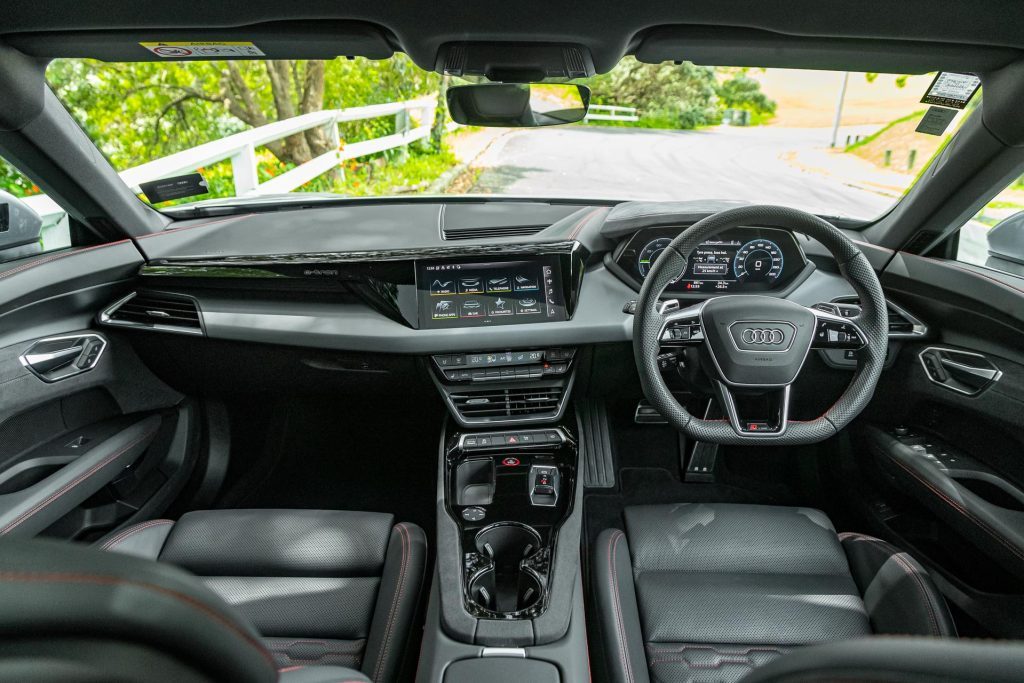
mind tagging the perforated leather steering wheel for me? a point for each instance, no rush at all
(757, 345)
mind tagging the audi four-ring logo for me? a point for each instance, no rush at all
(766, 336)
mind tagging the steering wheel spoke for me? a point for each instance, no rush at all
(681, 326)
(769, 418)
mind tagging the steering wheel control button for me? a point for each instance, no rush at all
(834, 334)
(511, 462)
(474, 514)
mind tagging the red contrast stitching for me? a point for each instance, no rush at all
(619, 626)
(583, 221)
(72, 484)
(908, 568)
(55, 257)
(962, 510)
(131, 531)
(96, 579)
(406, 545)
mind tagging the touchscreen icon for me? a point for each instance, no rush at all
(500, 307)
(442, 287)
(471, 285)
(497, 285)
(444, 310)
(527, 306)
(472, 308)
(526, 284)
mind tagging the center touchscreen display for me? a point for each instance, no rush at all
(462, 294)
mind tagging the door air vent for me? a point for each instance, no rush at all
(159, 311)
(503, 404)
(494, 231)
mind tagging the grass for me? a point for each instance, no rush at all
(877, 134)
(387, 175)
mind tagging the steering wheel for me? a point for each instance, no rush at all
(755, 346)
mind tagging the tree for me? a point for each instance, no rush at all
(686, 91)
(137, 112)
(743, 92)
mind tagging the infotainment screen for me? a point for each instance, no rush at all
(462, 294)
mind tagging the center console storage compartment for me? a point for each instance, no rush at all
(501, 670)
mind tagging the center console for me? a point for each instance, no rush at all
(509, 506)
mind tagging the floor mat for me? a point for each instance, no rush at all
(340, 455)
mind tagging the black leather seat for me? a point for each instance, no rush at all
(700, 592)
(320, 587)
(75, 614)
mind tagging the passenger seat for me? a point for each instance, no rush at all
(322, 587)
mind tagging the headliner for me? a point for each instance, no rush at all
(946, 33)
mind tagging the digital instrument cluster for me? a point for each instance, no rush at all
(745, 259)
(463, 294)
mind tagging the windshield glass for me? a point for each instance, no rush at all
(835, 143)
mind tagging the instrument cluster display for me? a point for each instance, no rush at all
(745, 259)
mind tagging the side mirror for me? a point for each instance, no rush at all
(518, 105)
(19, 228)
(1006, 245)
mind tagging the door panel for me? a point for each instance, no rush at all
(943, 441)
(89, 437)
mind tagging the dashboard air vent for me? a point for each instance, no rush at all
(157, 311)
(493, 231)
(901, 323)
(502, 404)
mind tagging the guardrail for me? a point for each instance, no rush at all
(614, 113)
(240, 148)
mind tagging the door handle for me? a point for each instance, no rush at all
(56, 358)
(964, 372)
(51, 360)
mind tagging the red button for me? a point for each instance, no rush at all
(510, 462)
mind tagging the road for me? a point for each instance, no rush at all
(719, 163)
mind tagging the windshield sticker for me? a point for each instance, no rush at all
(181, 50)
(935, 120)
(178, 187)
(952, 90)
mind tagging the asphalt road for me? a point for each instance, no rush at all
(721, 163)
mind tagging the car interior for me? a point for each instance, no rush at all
(456, 438)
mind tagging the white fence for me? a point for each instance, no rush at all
(241, 150)
(612, 113)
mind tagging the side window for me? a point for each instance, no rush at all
(30, 222)
(994, 237)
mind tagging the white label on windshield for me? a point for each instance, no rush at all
(952, 90)
(186, 49)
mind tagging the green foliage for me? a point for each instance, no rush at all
(743, 92)
(682, 96)
(14, 182)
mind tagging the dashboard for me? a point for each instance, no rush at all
(744, 260)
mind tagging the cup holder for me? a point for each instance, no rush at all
(506, 586)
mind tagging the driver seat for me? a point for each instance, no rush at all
(701, 592)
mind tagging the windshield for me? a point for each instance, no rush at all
(834, 143)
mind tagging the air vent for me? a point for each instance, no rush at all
(157, 311)
(503, 404)
(498, 231)
(901, 323)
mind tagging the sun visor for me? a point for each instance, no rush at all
(277, 40)
(724, 46)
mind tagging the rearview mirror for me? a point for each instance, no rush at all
(518, 105)
(19, 228)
